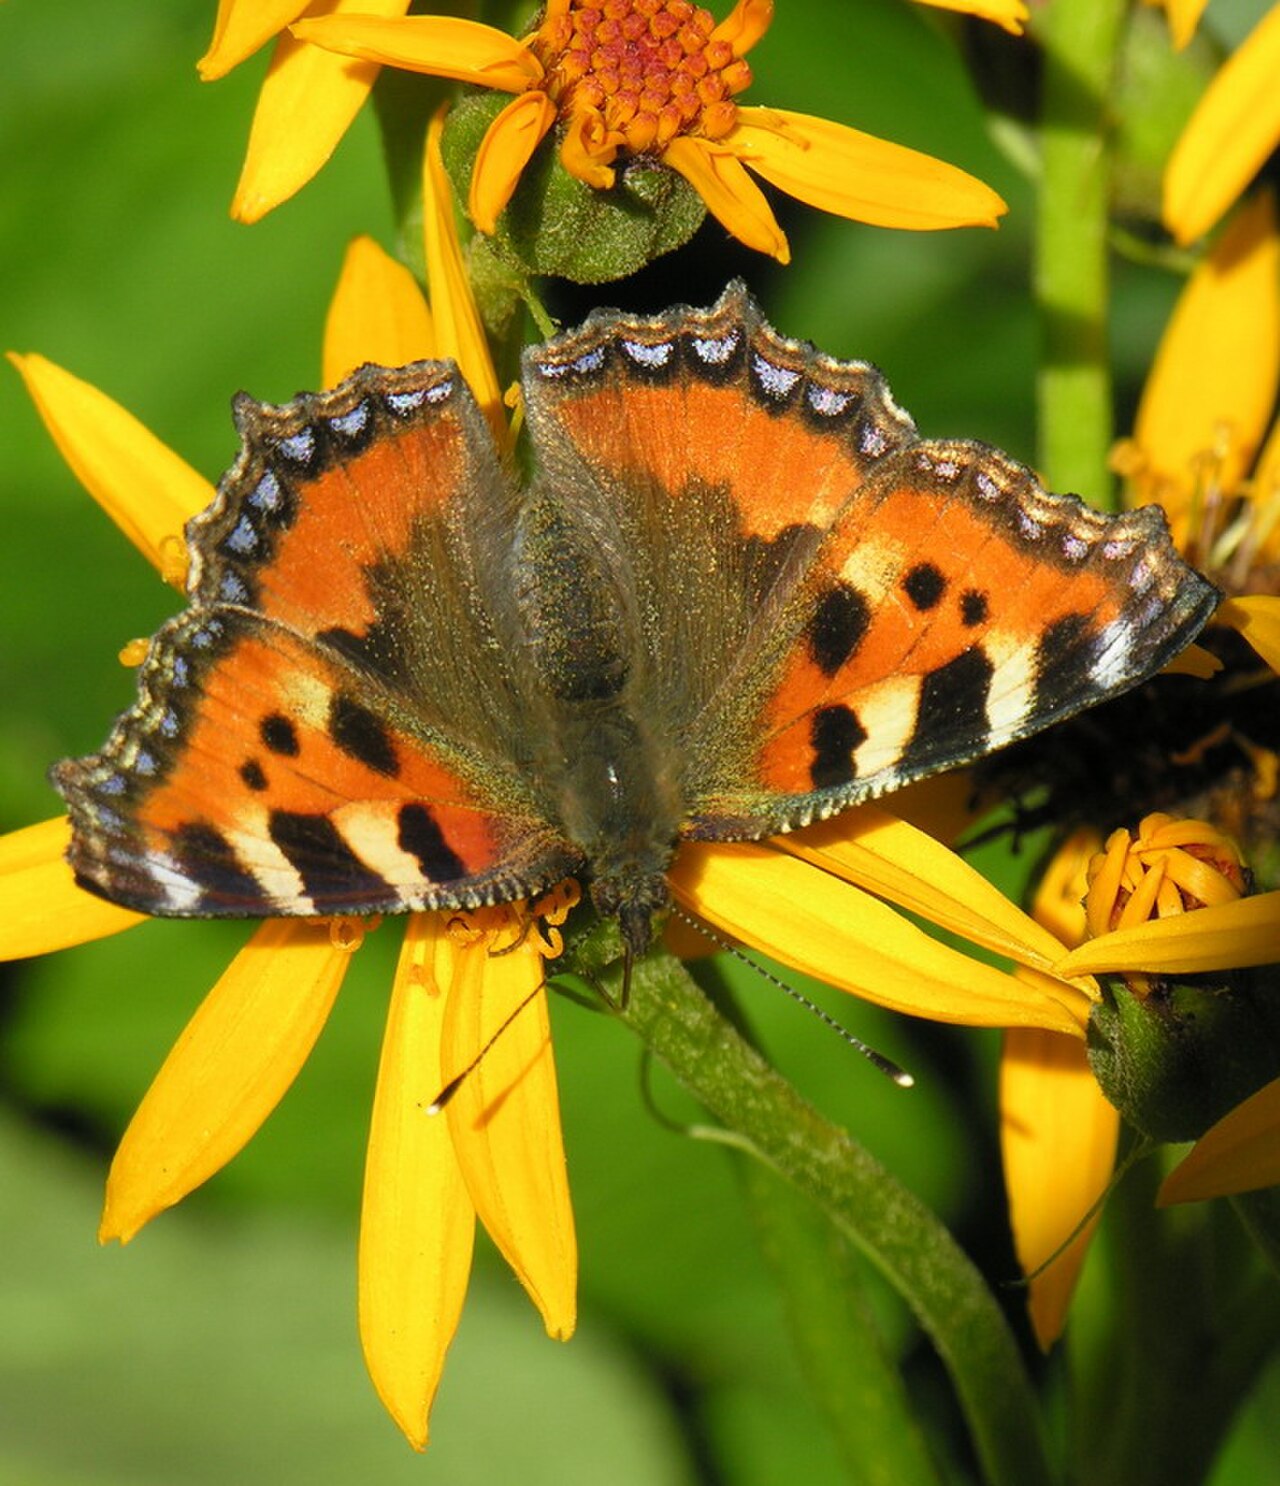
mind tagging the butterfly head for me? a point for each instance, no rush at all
(632, 894)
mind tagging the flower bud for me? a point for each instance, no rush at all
(1174, 1052)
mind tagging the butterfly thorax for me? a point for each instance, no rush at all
(619, 803)
(614, 774)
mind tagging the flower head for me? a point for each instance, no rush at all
(659, 78)
(1152, 910)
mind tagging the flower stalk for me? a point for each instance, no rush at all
(863, 1201)
(1071, 276)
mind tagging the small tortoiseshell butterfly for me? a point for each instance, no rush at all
(738, 595)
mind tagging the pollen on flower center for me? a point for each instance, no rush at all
(630, 75)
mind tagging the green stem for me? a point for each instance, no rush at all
(1079, 40)
(899, 1234)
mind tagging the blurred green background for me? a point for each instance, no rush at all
(221, 1345)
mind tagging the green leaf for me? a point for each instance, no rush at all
(851, 1375)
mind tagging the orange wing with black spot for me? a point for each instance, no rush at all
(829, 607)
(329, 726)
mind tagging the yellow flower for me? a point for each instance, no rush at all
(497, 1154)
(1165, 901)
(1229, 136)
(1204, 413)
(659, 77)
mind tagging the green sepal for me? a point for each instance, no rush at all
(556, 224)
(1175, 1061)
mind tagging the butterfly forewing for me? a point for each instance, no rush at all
(707, 457)
(329, 727)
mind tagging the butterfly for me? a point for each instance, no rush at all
(737, 595)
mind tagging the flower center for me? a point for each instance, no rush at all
(642, 71)
(1170, 866)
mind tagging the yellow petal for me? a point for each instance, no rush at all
(241, 28)
(505, 1121)
(587, 150)
(459, 331)
(1238, 1154)
(1257, 617)
(377, 314)
(417, 1224)
(745, 24)
(505, 150)
(443, 46)
(1221, 937)
(826, 928)
(842, 170)
(308, 100)
(1058, 1139)
(888, 857)
(227, 1071)
(1235, 126)
(731, 196)
(41, 908)
(1011, 14)
(1213, 383)
(147, 490)
(1060, 896)
(1193, 661)
(1184, 17)
(943, 805)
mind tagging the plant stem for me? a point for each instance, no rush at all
(902, 1238)
(1071, 278)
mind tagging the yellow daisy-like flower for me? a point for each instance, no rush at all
(1164, 901)
(626, 78)
(498, 1153)
(1234, 128)
(1204, 415)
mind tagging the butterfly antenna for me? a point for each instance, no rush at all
(877, 1059)
(455, 1083)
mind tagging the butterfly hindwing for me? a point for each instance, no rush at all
(954, 607)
